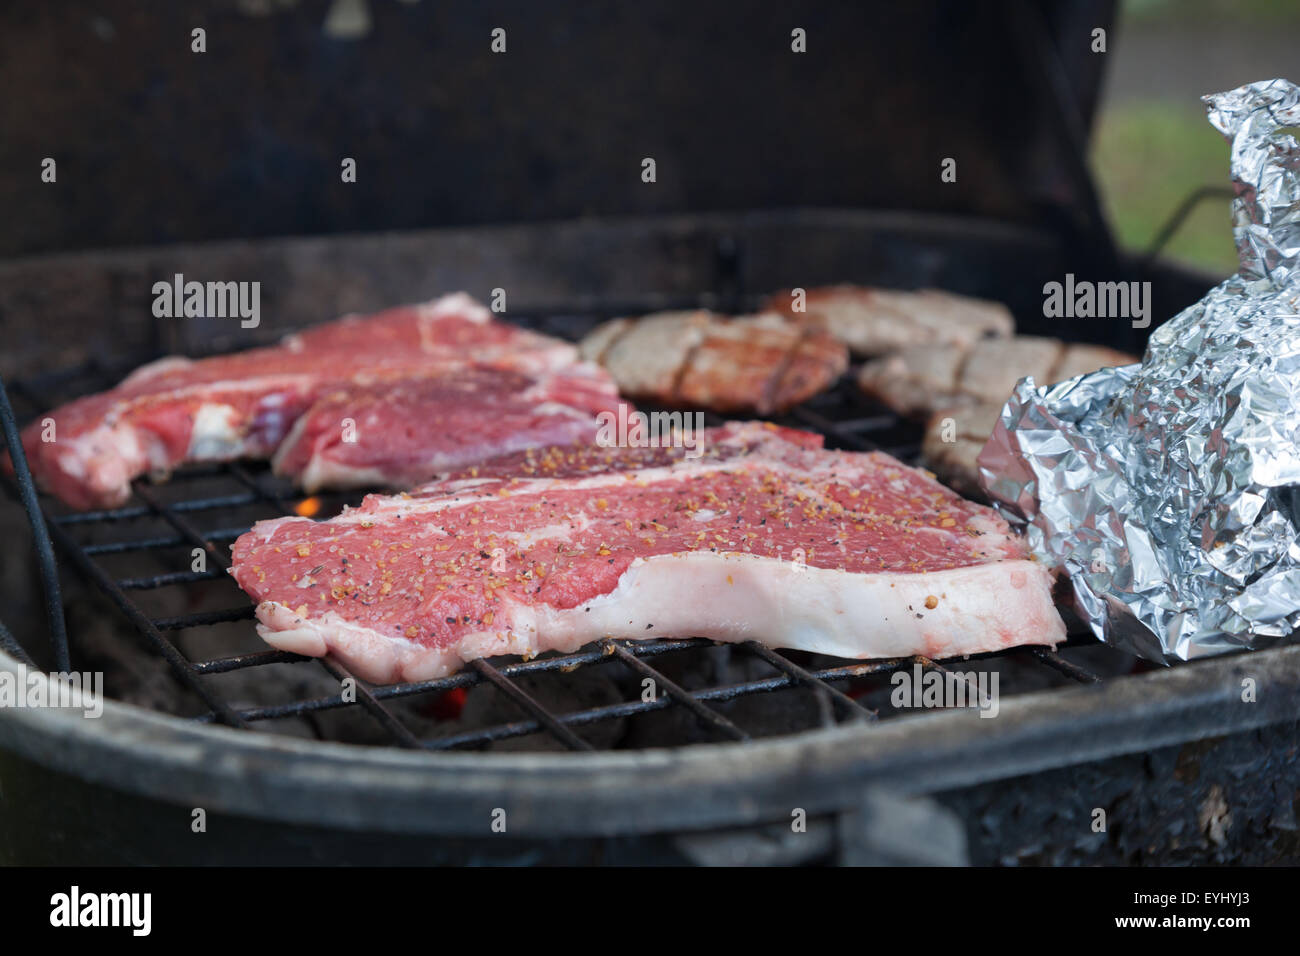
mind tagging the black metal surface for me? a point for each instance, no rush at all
(75, 790)
(1060, 709)
(40, 534)
(11, 647)
(445, 131)
(843, 415)
(1046, 68)
(68, 315)
(1230, 799)
(687, 788)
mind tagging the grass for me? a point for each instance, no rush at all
(1147, 157)
(1253, 13)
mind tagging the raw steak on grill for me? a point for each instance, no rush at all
(764, 536)
(404, 432)
(241, 405)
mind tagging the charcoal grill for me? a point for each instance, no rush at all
(739, 740)
(847, 420)
(680, 794)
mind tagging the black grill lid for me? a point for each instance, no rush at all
(156, 143)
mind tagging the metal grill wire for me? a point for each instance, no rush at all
(842, 415)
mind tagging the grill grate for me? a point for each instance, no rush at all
(209, 520)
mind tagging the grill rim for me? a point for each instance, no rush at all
(610, 793)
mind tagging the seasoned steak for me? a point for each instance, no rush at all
(764, 536)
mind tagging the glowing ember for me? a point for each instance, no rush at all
(308, 507)
(447, 706)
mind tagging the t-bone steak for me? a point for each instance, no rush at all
(241, 405)
(404, 432)
(763, 536)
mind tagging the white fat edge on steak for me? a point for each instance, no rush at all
(726, 596)
(532, 352)
(216, 434)
(321, 473)
(456, 305)
(291, 438)
(106, 459)
(108, 456)
(168, 363)
(582, 376)
(276, 380)
(453, 305)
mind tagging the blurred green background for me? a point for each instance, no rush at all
(1152, 145)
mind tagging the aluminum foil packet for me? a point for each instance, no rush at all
(1169, 492)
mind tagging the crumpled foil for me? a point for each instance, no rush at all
(1169, 491)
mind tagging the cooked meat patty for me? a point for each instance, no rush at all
(954, 436)
(879, 321)
(918, 381)
(758, 363)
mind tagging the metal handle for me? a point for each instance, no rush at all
(40, 534)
